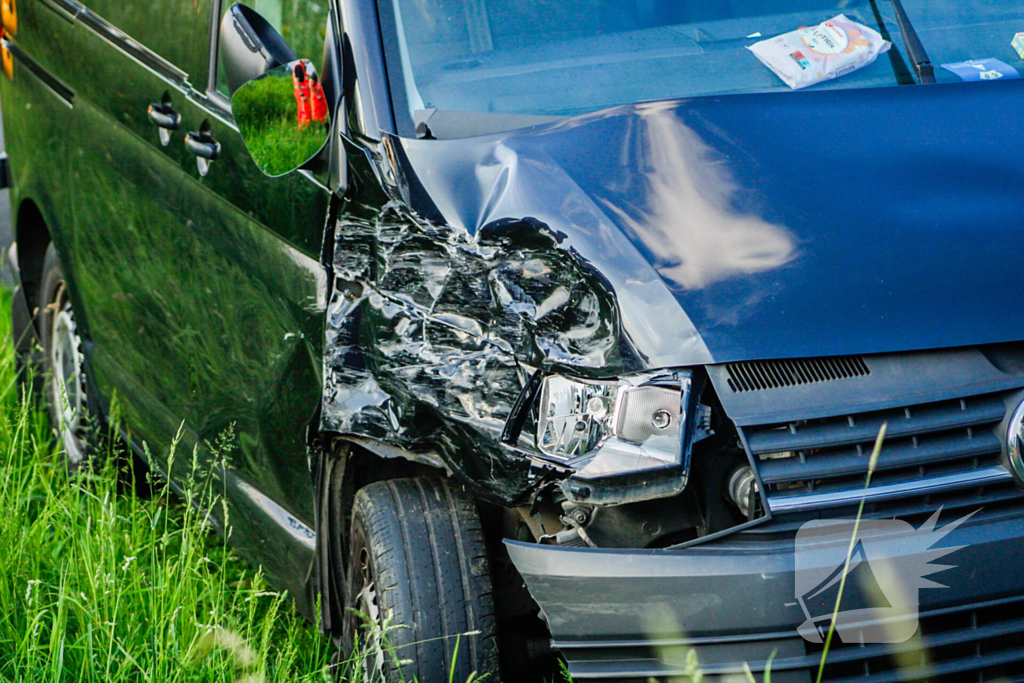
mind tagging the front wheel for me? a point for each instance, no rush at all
(418, 598)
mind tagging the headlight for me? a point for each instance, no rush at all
(620, 440)
(608, 428)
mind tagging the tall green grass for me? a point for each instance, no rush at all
(100, 584)
(97, 584)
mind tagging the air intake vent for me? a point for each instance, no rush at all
(759, 375)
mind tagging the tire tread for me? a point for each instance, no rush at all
(430, 562)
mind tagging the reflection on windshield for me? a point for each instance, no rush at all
(688, 223)
(551, 57)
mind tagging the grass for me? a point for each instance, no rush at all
(872, 463)
(100, 584)
(267, 117)
(97, 584)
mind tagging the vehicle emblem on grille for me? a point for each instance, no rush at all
(866, 576)
(1015, 441)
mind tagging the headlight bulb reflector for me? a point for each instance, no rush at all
(608, 427)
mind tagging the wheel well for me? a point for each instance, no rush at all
(363, 467)
(344, 468)
(33, 238)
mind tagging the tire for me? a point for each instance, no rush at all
(418, 568)
(65, 388)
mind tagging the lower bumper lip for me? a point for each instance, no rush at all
(637, 613)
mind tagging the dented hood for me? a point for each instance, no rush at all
(770, 226)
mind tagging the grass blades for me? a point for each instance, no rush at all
(97, 584)
(100, 585)
(872, 463)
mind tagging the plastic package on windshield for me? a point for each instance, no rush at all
(819, 53)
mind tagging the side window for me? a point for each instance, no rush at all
(186, 45)
(302, 24)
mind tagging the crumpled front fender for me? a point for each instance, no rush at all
(448, 295)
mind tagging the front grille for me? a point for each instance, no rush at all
(772, 374)
(978, 643)
(932, 450)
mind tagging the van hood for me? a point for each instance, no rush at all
(780, 225)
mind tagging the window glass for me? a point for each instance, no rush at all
(302, 24)
(553, 57)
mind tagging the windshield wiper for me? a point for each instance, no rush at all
(915, 50)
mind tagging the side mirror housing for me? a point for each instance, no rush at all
(249, 46)
(282, 108)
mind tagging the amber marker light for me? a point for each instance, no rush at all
(9, 17)
(6, 58)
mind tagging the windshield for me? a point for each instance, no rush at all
(560, 57)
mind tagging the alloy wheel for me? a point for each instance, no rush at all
(373, 655)
(68, 386)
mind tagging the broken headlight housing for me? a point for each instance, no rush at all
(632, 430)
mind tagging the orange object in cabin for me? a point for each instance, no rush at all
(301, 86)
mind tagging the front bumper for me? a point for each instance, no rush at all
(636, 614)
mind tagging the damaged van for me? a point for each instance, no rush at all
(547, 329)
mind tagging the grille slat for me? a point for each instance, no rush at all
(993, 497)
(761, 375)
(942, 416)
(847, 461)
(930, 448)
(950, 668)
(954, 644)
(944, 639)
(942, 483)
(983, 641)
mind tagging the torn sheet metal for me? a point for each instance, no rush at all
(431, 335)
(474, 265)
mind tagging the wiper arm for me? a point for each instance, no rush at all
(915, 50)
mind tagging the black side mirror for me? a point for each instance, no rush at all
(283, 111)
(249, 46)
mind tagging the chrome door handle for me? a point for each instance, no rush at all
(162, 115)
(206, 149)
(202, 145)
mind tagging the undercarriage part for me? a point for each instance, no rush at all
(647, 524)
(523, 635)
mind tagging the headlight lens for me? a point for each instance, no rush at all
(605, 428)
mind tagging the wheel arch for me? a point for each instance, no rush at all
(347, 464)
(32, 234)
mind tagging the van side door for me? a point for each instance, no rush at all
(201, 281)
